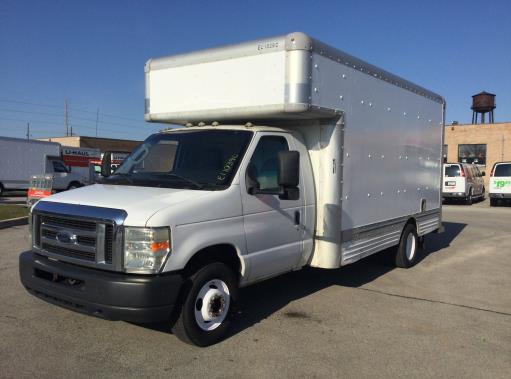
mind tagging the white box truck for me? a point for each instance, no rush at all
(293, 154)
(81, 160)
(20, 159)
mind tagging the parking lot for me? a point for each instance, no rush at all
(449, 316)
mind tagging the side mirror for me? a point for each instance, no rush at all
(250, 180)
(483, 173)
(106, 165)
(289, 169)
(289, 175)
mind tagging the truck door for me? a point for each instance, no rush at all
(59, 172)
(272, 225)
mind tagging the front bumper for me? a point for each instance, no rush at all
(500, 195)
(113, 296)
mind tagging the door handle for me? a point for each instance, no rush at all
(297, 217)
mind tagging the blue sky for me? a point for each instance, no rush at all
(92, 53)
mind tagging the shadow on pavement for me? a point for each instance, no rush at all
(261, 300)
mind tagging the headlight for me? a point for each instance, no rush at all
(145, 249)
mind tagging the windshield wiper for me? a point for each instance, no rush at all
(185, 179)
(124, 176)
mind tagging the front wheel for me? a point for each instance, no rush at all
(205, 314)
(493, 202)
(409, 247)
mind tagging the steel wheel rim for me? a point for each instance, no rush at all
(212, 304)
(410, 246)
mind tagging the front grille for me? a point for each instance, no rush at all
(87, 240)
(69, 223)
(68, 252)
(109, 242)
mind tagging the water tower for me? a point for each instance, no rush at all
(482, 103)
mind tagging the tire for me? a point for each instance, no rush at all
(493, 202)
(483, 194)
(470, 197)
(200, 325)
(409, 247)
(1, 189)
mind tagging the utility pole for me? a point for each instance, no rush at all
(97, 120)
(28, 131)
(66, 118)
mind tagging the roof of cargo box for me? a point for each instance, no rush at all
(285, 43)
(250, 128)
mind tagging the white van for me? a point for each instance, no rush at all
(463, 181)
(500, 183)
(292, 154)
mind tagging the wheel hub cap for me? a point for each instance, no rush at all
(212, 304)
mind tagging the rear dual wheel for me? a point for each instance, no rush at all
(409, 247)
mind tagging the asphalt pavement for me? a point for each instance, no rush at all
(449, 316)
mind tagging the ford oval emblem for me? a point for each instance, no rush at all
(65, 236)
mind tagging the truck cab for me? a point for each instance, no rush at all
(63, 177)
(233, 194)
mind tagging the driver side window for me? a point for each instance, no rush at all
(264, 161)
(58, 167)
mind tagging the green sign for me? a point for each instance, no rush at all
(502, 183)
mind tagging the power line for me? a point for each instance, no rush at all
(28, 103)
(68, 118)
(31, 112)
(24, 120)
(71, 108)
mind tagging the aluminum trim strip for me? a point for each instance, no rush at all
(364, 231)
(80, 232)
(100, 243)
(81, 212)
(74, 246)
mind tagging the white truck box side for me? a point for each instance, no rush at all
(20, 159)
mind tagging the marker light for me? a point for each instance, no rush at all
(145, 249)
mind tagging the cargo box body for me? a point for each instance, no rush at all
(20, 159)
(374, 139)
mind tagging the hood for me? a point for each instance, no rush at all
(139, 202)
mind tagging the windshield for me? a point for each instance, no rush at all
(503, 170)
(197, 159)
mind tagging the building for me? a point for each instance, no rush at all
(103, 144)
(482, 144)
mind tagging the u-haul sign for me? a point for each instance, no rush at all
(79, 157)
